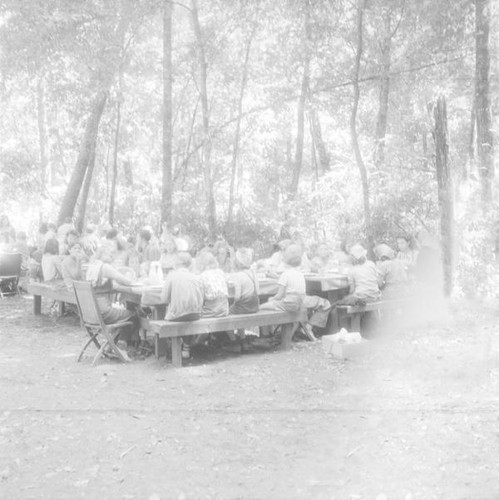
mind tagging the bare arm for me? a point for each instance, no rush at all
(110, 272)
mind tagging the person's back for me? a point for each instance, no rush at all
(362, 276)
(215, 291)
(291, 284)
(365, 280)
(182, 292)
(392, 275)
(245, 284)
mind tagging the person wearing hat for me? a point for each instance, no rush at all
(392, 276)
(362, 278)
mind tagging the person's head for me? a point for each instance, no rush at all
(221, 251)
(323, 251)
(206, 261)
(75, 249)
(183, 260)
(52, 227)
(292, 255)
(403, 242)
(169, 245)
(177, 229)
(145, 236)
(243, 258)
(384, 252)
(358, 254)
(21, 236)
(52, 246)
(105, 253)
(71, 237)
(44, 228)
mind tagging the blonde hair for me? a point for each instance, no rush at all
(206, 260)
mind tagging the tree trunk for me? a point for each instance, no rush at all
(467, 169)
(300, 133)
(114, 178)
(203, 91)
(82, 162)
(384, 90)
(80, 220)
(353, 125)
(445, 191)
(42, 134)
(167, 187)
(320, 146)
(235, 149)
(485, 146)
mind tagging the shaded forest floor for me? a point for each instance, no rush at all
(416, 418)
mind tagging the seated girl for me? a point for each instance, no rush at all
(182, 291)
(362, 279)
(245, 284)
(291, 284)
(51, 261)
(392, 277)
(322, 260)
(101, 275)
(223, 253)
(215, 303)
(168, 254)
(71, 265)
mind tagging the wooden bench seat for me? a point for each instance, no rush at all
(58, 293)
(356, 312)
(175, 330)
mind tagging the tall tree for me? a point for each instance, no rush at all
(87, 148)
(167, 179)
(484, 137)
(237, 135)
(445, 191)
(305, 81)
(207, 139)
(353, 122)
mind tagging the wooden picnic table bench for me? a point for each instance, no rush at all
(355, 313)
(175, 330)
(57, 292)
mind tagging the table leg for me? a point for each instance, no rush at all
(355, 322)
(287, 335)
(177, 351)
(37, 304)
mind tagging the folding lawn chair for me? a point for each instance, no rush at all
(92, 322)
(10, 271)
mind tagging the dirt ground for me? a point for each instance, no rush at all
(415, 418)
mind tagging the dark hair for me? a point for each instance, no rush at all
(111, 234)
(145, 234)
(51, 246)
(358, 262)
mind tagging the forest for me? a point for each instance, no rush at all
(344, 120)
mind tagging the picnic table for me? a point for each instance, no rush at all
(332, 286)
(147, 294)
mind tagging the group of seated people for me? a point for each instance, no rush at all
(195, 284)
